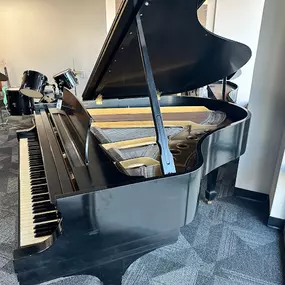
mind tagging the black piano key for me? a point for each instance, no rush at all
(41, 204)
(32, 141)
(33, 144)
(35, 163)
(36, 171)
(46, 226)
(33, 148)
(37, 192)
(35, 157)
(37, 174)
(40, 197)
(39, 218)
(43, 207)
(35, 152)
(45, 230)
(41, 186)
(38, 181)
(38, 154)
(44, 233)
(36, 168)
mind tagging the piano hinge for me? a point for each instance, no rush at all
(99, 100)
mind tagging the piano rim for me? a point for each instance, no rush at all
(198, 166)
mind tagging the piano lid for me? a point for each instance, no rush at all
(183, 54)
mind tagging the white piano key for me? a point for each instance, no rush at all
(27, 223)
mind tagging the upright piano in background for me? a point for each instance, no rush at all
(106, 181)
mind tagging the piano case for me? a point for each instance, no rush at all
(109, 212)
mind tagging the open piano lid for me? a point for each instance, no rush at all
(183, 54)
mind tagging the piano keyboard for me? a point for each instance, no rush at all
(38, 217)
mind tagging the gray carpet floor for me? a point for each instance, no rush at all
(227, 243)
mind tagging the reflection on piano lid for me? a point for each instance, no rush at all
(123, 176)
(215, 91)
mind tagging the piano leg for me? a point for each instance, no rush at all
(211, 193)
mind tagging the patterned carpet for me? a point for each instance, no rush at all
(227, 243)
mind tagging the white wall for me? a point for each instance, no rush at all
(211, 14)
(110, 13)
(46, 35)
(240, 20)
(277, 193)
(259, 167)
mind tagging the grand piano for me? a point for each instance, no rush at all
(105, 181)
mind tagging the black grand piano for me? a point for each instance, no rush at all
(105, 181)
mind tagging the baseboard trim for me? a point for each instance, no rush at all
(272, 222)
(251, 195)
(276, 223)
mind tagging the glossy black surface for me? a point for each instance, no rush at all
(230, 96)
(66, 79)
(211, 193)
(19, 104)
(183, 55)
(105, 219)
(35, 81)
